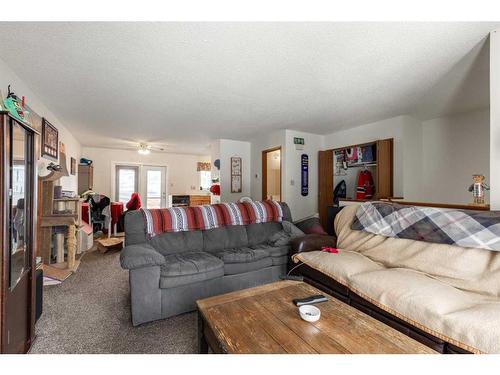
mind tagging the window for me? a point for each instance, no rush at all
(205, 180)
(126, 182)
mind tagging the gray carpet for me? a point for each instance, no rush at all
(90, 313)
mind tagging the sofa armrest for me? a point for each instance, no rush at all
(139, 256)
(312, 242)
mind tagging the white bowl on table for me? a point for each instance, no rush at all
(309, 313)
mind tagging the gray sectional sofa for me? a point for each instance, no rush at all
(171, 271)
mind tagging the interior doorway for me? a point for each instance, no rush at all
(271, 174)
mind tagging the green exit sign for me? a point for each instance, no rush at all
(298, 141)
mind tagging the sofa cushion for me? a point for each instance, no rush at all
(260, 233)
(178, 242)
(188, 268)
(236, 268)
(241, 255)
(469, 318)
(237, 236)
(215, 239)
(339, 266)
(273, 251)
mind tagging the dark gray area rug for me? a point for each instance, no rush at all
(90, 313)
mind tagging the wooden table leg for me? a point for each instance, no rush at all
(202, 342)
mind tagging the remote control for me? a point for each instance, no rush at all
(309, 300)
(292, 277)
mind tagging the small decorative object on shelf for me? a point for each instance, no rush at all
(215, 189)
(73, 166)
(477, 189)
(16, 106)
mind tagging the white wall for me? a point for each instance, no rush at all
(389, 128)
(182, 175)
(260, 143)
(300, 206)
(433, 160)
(73, 147)
(495, 119)
(227, 149)
(454, 148)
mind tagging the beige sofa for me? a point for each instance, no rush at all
(449, 292)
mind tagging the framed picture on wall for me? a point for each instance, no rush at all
(73, 166)
(50, 140)
(236, 180)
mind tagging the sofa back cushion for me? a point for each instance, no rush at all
(134, 228)
(469, 269)
(227, 237)
(261, 233)
(178, 242)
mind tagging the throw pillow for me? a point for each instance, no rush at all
(283, 237)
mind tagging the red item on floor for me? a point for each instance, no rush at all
(365, 188)
(330, 250)
(135, 202)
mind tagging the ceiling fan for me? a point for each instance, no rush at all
(145, 148)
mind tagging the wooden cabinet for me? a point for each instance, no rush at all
(381, 169)
(199, 200)
(18, 203)
(85, 178)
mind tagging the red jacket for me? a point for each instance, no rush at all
(365, 188)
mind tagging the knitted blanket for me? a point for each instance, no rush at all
(465, 228)
(181, 219)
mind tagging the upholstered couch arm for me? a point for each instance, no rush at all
(139, 256)
(312, 242)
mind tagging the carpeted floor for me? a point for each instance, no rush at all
(90, 313)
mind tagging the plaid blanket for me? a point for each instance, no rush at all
(476, 229)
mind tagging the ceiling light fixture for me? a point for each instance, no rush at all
(144, 149)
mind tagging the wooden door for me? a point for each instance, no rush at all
(325, 184)
(384, 188)
(18, 237)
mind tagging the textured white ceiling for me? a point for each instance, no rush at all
(183, 84)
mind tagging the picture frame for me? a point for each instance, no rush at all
(50, 140)
(73, 166)
(236, 173)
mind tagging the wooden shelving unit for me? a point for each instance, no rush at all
(50, 218)
(381, 168)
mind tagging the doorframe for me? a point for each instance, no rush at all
(140, 165)
(264, 171)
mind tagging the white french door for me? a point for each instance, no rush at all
(148, 180)
(153, 187)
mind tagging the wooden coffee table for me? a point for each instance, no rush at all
(264, 320)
